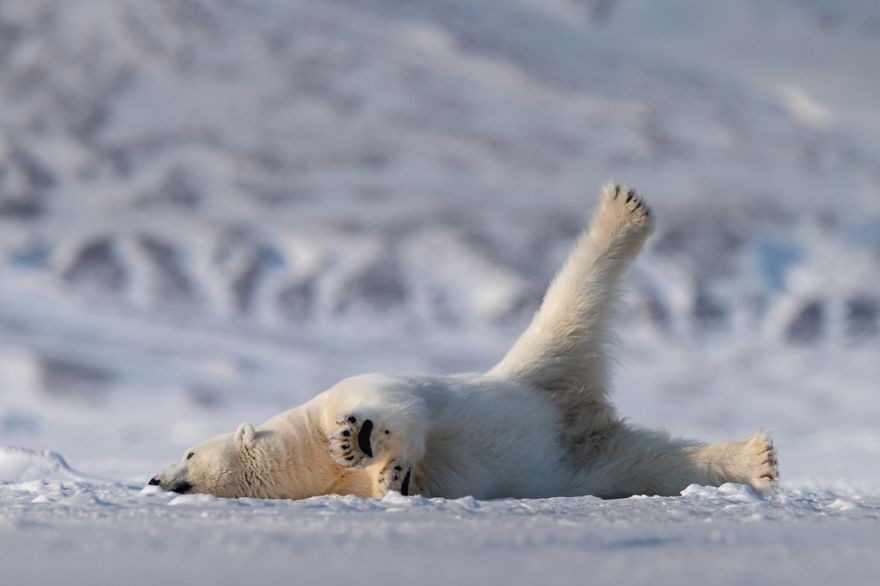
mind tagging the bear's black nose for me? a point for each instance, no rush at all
(153, 481)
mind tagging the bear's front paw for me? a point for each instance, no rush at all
(351, 444)
(397, 476)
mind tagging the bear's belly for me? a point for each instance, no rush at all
(525, 462)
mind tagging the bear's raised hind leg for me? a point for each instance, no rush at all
(563, 349)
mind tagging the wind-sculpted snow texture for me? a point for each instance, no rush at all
(211, 210)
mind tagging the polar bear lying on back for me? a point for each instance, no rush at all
(538, 424)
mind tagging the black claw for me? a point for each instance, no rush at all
(630, 195)
(398, 468)
(616, 191)
(638, 205)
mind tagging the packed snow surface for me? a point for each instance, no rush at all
(113, 533)
(211, 210)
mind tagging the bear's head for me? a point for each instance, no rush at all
(223, 466)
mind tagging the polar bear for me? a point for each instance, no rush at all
(538, 424)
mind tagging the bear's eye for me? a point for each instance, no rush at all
(190, 455)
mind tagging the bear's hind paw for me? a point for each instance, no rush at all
(764, 463)
(625, 207)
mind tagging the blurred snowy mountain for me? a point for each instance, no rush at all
(207, 195)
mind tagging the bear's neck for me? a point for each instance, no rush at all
(301, 443)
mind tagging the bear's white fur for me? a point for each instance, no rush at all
(538, 424)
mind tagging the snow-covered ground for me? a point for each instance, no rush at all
(210, 210)
(69, 530)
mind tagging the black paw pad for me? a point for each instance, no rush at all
(404, 488)
(363, 438)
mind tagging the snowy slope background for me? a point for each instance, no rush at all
(211, 210)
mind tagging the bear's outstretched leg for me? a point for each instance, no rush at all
(563, 349)
(637, 461)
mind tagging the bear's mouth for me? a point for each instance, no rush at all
(182, 487)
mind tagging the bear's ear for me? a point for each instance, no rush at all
(244, 435)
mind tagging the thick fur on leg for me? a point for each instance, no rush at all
(563, 351)
(640, 461)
